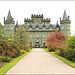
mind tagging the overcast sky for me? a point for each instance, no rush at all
(50, 9)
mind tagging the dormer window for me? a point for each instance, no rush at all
(43, 28)
(30, 28)
(51, 29)
(37, 28)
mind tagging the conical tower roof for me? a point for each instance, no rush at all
(9, 17)
(17, 22)
(64, 15)
(57, 25)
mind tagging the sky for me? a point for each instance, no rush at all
(50, 9)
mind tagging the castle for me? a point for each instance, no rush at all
(38, 27)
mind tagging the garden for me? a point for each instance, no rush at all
(11, 51)
(61, 46)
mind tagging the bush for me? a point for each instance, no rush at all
(5, 59)
(44, 46)
(9, 48)
(55, 40)
(27, 47)
(70, 53)
(23, 51)
(50, 48)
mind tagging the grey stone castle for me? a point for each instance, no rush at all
(38, 27)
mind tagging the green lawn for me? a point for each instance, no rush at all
(61, 58)
(4, 69)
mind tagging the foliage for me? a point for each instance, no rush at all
(44, 46)
(5, 59)
(4, 69)
(64, 59)
(23, 51)
(9, 48)
(70, 53)
(22, 36)
(27, 47)
(61, 58)
(56, 40)
(1, 29)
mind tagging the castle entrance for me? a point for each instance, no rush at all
(37, 45)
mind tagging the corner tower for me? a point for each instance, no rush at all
(9, 25)
(65, 24)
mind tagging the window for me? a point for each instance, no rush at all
(37, 28)
(57, 28)
(30, 29)
(44, 42)
(43, 35)
(50, 28)
(37, 35)
(43, 28)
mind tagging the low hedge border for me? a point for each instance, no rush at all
(72, 64)
(4, 69)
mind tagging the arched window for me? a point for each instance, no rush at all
(44, 43)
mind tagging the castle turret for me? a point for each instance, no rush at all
(9, 24)
(65, 24)
(57, 26)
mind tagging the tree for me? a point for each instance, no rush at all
(55, 40)
(22, 36)
(1, 30)
(70, 53)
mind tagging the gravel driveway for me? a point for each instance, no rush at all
(40, 62)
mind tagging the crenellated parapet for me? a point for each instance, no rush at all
(67, 21)
(36, 16)
(46, 20)
(11, 21)
(28, 20)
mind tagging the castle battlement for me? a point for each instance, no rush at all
(46, 20)
(36, 16)
(28, 20)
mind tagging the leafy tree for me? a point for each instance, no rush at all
(1, 31)
(55, 40)
(22, 36)
(1, 28)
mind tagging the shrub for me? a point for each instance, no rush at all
(27, 47)
(55, 40)
(6, 59)
(15, 48)
(70, 53)
(44, 46)
(23, 51)
(9, 48)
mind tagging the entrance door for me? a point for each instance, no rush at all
(37, 45)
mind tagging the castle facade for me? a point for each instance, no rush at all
(38, 27)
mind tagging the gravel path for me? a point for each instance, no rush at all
(40, 62)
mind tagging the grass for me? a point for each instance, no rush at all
(72, 64)
(4, 69)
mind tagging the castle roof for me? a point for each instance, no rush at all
(9, 17)
(64, 15)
